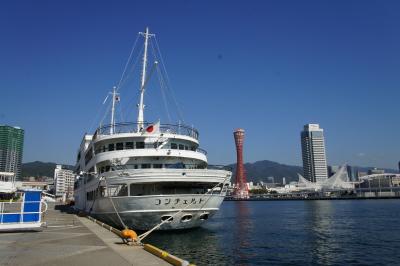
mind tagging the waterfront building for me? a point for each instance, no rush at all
(313, 153)
(64, 182)
(361, 174)
(352, 172)
(242, 190)
(11, 148)
(375, 171)
(332, 169)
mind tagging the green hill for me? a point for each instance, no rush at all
(39, 169)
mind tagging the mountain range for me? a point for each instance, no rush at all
(40, 169)
(266, 171)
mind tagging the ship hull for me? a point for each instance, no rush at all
(146, 212)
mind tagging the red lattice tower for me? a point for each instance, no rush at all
(241, 190)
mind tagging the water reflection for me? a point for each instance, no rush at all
(242, 230)
(190, 244)
(322, 231)
(292, 233)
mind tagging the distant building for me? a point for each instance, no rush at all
(313, 153)
(64, 182)
(360, 174)
(332, 169)
(11, 149)
(375, 171)
(283, 180)
(352, 172)
(399, 167)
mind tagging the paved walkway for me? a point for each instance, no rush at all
(70, 240)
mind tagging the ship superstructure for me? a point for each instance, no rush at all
(139, 174)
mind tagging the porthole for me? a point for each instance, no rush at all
(204, 216)
(186, 218)
(167, 218)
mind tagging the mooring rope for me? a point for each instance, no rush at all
(115, 209)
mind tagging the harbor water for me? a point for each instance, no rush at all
(320, 232)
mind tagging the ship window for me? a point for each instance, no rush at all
(104, 148)
(146, 165)
(186, 147)
(119, 146)
(186, 218)
(107, 168)
(111, 147)
(136, 190)
(128, 145)
(193, 148)
(118, 190)
(167, 218)
(174, 146)
(136, 166)
(181, 147)
(140, 145)
(102, 169)
(157, 165)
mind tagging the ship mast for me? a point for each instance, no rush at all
(140, 118)
(114, 98)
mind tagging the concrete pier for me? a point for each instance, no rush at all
(70, 240)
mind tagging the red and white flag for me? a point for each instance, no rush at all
(153, 128)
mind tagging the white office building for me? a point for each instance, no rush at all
(64, 182)
(313, 153)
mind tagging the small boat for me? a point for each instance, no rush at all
(25, 215)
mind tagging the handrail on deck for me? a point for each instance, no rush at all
(131, 127)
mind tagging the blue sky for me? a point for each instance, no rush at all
(266, 66)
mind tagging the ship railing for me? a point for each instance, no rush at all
(154, 145)
(171, 166)
(28, 211)
(131, 127)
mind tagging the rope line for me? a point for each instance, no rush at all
(180, 114)
(112, 203)
(127, 62)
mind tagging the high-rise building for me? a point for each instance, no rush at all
(11, 149)
(313, 153)
(64, 182)
(241, 189)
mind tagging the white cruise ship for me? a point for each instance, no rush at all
(139, 174)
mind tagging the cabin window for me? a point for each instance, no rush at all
(174, 146)
(146, 166)
(102, 169)
(103, 148)
(181, 147)
(186, 148)
(193, 148)
(135, 166)
(140, 145)
(111, 147)
(137, 190)
(119, 190)
(157, 165)
(119, 146)
(107, 169)
(128, 145)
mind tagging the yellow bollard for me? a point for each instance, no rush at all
(129, 234)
